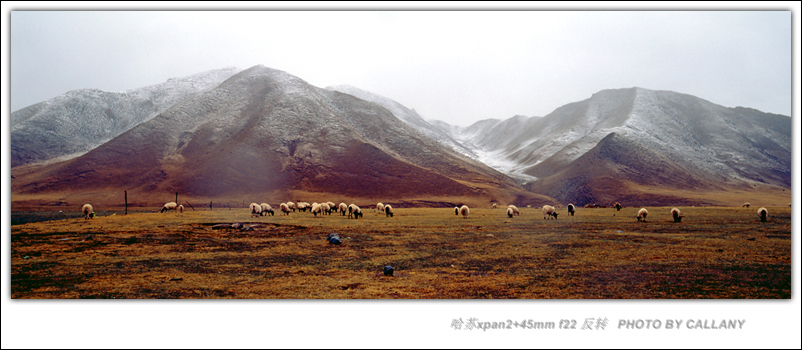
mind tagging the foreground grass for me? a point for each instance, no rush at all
(599, 253)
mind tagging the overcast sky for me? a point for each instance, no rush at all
(455, 66)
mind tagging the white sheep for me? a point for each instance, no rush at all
(617, 206)
(169, 206)
(510, 212)
(676, 214)
(549, 212)
(388, 211)
(266, 209)
(465, 211)
(353, 210)
(763, 213)
(89, 213)
(325, 208)
(571, 209)
(343, 208)
(317, 208)
(292, 206)
(456, 210)
(181, 208)
(256, 209)
(493, 206)
(284, 208)
(514, 209)
(746, 205)
(642, 213)
(379, 208)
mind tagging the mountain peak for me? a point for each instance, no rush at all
(80, 120)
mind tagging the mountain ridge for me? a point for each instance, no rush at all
(263, 132)
(69, 125)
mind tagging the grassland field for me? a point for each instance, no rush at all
(600, 253)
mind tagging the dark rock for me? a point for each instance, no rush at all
(334, 238)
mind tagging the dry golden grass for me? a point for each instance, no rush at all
(721, 252)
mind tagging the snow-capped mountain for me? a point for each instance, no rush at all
(409, 116)
(231, 133)
(594, 150)
(264, 131)
(80, 120)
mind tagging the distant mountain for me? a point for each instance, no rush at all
(78, 121)
(263, 132)
(409, 116)
(625, 142)
(259, 132)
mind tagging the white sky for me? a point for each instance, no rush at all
(455, 66)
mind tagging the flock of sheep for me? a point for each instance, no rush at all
(353, 211)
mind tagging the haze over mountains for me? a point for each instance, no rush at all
(624, 137)
(265, 132)
(80, 120)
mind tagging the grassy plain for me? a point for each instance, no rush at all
(715, 252)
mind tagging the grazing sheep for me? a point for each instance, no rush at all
(169, 206)
(317, 208)
(388, 211)
(617, 206)
(325, 208)
(676, 214)
(456, 210)
(266, 209)
(256, 209)
(571, 209)
(292, 206)
(514, 209)
(379, 208)
(353, 210)
(304, 206)
(284, 208)
(181, 208)
(642, 213)
(549, 212)
(465, 211)
(343, 208)
(493, 206)
(763, 214)
(746, 205)
(332, 206)
(89, 213)
(510, 212)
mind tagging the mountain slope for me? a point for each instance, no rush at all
(627, 141)
(264, 131)
(409, 116)
(80, 120)
(663, 139)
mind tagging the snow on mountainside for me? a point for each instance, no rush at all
(485, 137)
(409, 116)
(80, 120)
(706, 145)
(266, 133)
